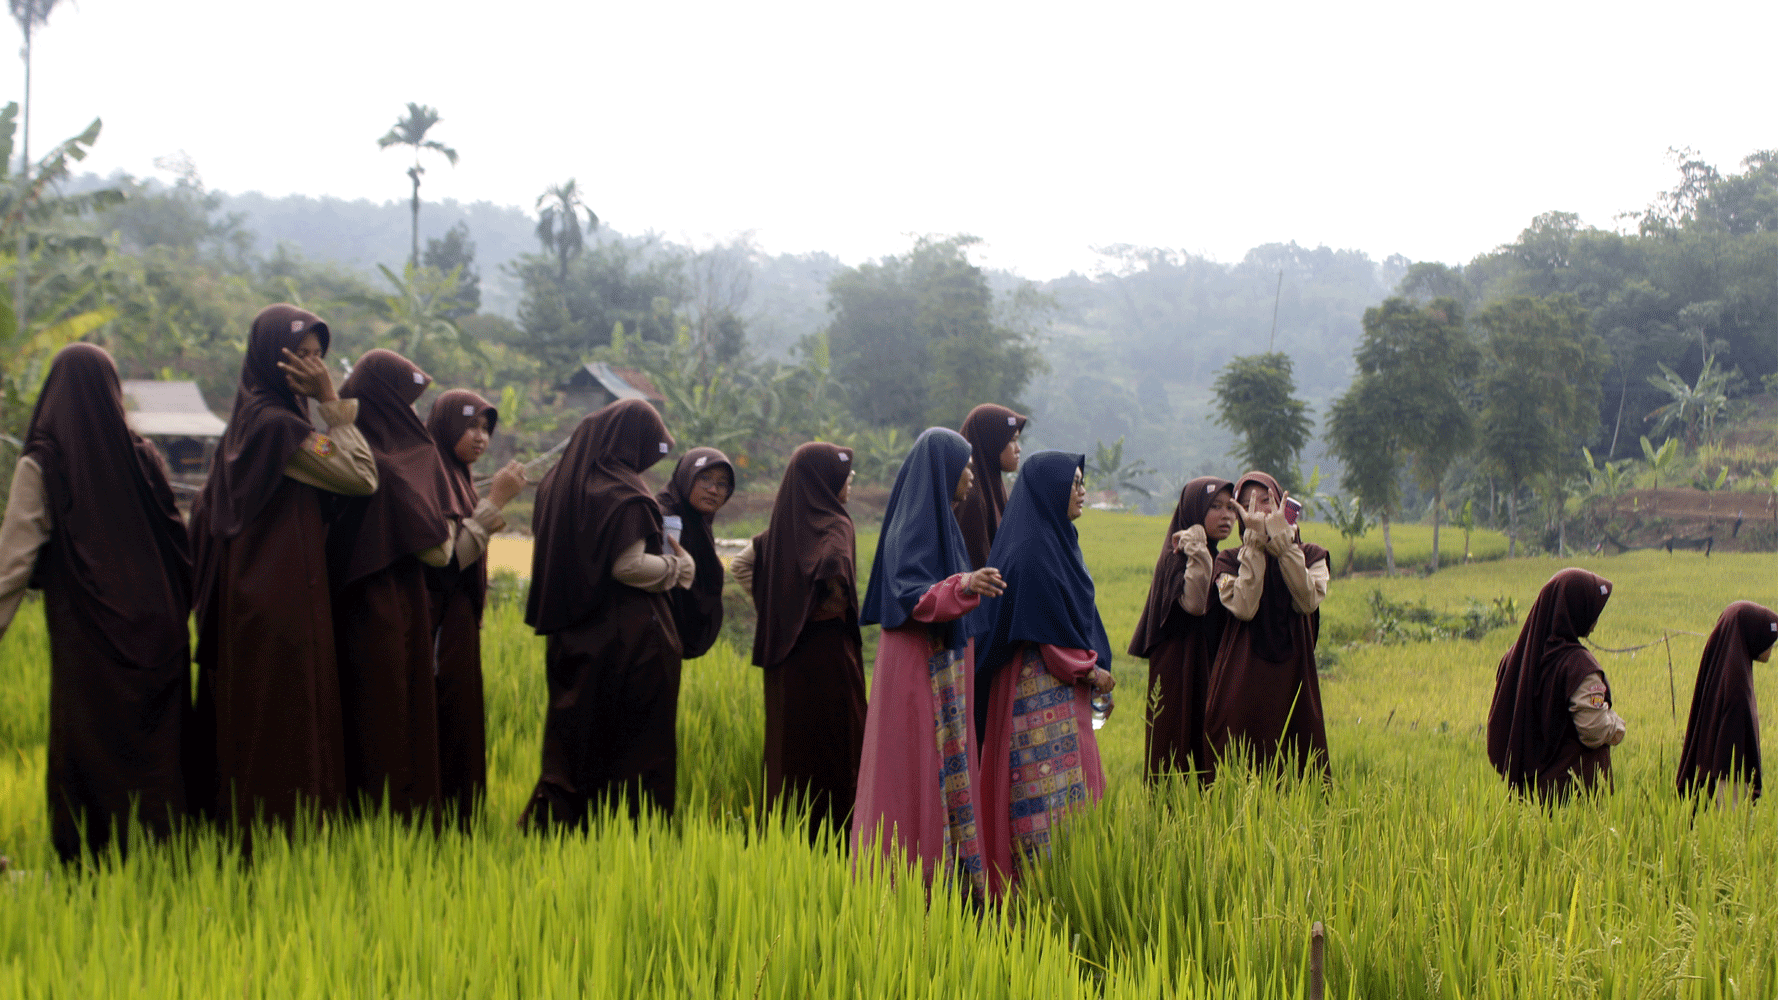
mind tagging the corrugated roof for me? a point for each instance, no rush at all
(622, 383)
(169, 409)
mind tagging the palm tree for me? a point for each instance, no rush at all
(28, 14)
(411, 131)
(558, 224)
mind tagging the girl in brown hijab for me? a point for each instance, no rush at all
(801, 573)
(378, 548)
(601, 567)
(1181, 626)
(268, 721)
(702, 482)
(1264, 695)
(91, 522)
(1721, 753)
(460, 424)
(1551, 723)
(993, 435)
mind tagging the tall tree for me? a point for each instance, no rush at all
(1364, 434)
(920, 338)
(1540, 386)
(558, 224)
(1422, 361)
(1255, 399)
(454, 253)
(411, 131)
(29, 14)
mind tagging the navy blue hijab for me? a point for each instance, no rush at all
(921, 544)
(1049, 593)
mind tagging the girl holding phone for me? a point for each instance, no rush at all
(1264, 697)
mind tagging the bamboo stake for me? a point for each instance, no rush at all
(1317, 949)
(1672, 697)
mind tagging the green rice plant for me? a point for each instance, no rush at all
(1433, 881)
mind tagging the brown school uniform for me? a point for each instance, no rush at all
(598, 594)
(697, 609)
(378, 549)
(267, 731)
(801, 573)
(91, 522)
(1179, 632)
(1265, 696)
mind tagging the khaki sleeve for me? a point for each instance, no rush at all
(473, 533)
(1194, 597)
(1240, 592)
(439, 556)
(340, 460)
(22, 534)
(1308, 584)
(741, 568)
(1594, 720)
(654, 574)
(688, 570)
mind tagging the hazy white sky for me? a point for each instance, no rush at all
(1431, 130)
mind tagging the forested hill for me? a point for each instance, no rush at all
(1132, 349)
(1136, 348)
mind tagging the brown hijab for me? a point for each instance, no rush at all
(591, 507)
(267, 425)
(1272, 639)
(407, 512)
(1169, 568)
(115, 532)
(1722, 735)
(450, 416)
(988, 429)
(697, 611)
(809, 539)
(1537, 676)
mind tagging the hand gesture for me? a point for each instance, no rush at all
(308, 376)
(1253, 523)
(1192, 537)
(508, 482)
(986, 581)
(1102, 681)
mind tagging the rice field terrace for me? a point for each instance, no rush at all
(1430, 879)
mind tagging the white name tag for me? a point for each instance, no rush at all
(700, 462)
(469, 409)
(296, 326)
(419, 379)
(664, 448)
(845, 457)
(1012, 421)
(1604, 589)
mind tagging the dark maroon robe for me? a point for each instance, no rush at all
(459, 595)
(1265, 693)
(1722, 732)
(1180, 647)
(806, 591)
(268, 739)
(382, 610)
(1532, 740)
(612, 654)
(116, 582)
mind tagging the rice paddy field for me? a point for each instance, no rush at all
(1430, 879)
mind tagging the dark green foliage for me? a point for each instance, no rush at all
(1255, 399)
(456, 252)
(919, 339)
(1394, 622)
(632, 282)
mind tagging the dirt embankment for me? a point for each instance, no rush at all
(1685, 518)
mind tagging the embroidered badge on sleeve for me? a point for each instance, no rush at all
(321, 445)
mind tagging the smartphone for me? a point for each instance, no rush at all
(1292, 508)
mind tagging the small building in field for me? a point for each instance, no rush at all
(174, 416)
(597, 384)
